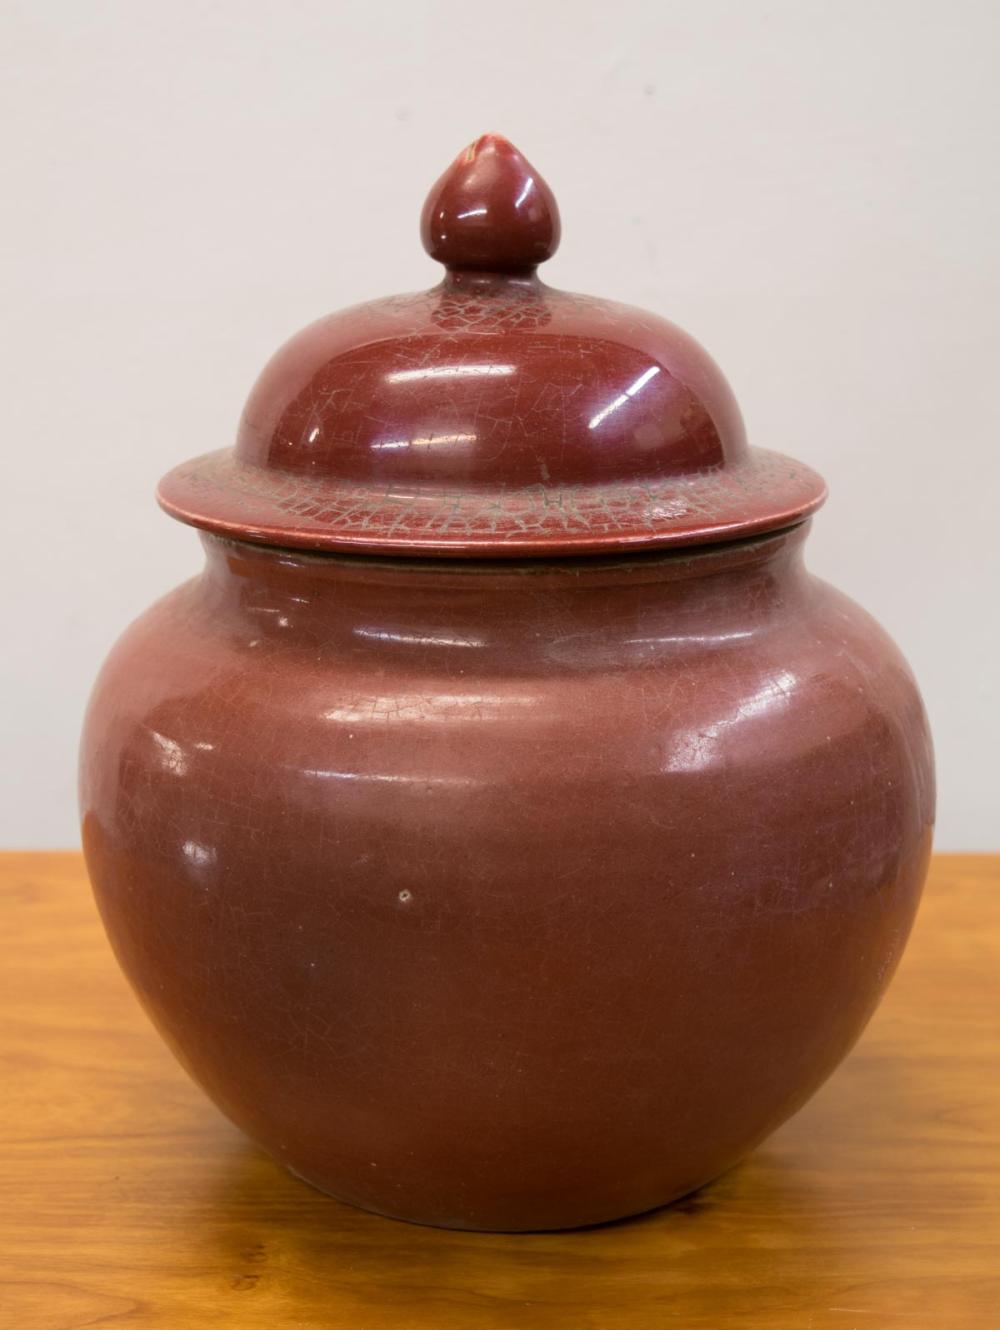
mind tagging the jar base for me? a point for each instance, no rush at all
(462, 1226)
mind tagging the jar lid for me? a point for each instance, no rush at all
(491, 415)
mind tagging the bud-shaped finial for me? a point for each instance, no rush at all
(491, 211)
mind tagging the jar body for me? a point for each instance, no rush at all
(511, 897)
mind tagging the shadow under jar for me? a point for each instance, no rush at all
(485, 886)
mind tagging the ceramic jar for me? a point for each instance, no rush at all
(505, 829)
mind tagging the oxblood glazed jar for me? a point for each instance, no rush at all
(505, 829)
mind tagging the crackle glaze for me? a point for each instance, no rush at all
(492, 414)
(503, 892)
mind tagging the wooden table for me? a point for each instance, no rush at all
(129, 1201)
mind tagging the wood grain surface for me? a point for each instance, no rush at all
(127, 1200)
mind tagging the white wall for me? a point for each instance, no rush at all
(810, 188)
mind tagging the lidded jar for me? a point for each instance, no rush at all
(505, 829)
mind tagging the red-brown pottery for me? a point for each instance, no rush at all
(505, 829)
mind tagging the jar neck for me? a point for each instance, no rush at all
(723, 590)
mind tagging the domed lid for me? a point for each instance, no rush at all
(491, 415)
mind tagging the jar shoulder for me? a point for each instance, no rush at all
(581, 676)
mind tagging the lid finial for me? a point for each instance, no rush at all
(490, 212)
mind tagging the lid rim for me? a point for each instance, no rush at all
(765, 492)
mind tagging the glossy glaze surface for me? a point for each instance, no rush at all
(512, 896)
(492, 415)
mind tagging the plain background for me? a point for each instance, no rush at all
(809, 188)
